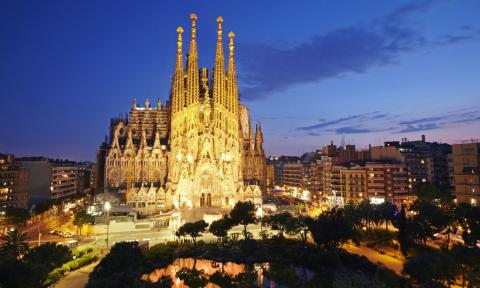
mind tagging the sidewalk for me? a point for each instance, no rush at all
(77, 278)
(390, 262)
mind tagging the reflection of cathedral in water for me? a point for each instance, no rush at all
(197, 151)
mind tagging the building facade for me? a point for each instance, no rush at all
(50, 179)
(64, 181)
(466, 166)
(13, 184)
(199, 150)
(387, 182)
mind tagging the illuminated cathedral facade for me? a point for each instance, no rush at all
(199, 150)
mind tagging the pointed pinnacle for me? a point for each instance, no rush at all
(231, 35)
(179, 39)
(194, 18)
(219, 21)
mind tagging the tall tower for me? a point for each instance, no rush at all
(205, 152)
(190, 152)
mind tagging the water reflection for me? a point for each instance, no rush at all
(189, 272)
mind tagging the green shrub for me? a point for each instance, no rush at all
(54, 276)
(86, 250)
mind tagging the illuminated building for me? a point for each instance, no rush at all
(199, 150)
(50, 180)
(387, 182)
(13, 184)
(466, 168)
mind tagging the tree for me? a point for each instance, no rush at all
(431, 268)
(81, 219)
(387, 211)
(243, 214)
(402, 236)
(43, 259)
(431, 193)
(14, 243)
(352, 212)
(192, 229)
(365, 212)
(332, 229)
(49, 254)
(221, 227)
(278, 222)
(428, 220)
(299, 226)
(42, 207)
(192, 277)
(468, 217)
(16, 216)
(15, 273)
(121, 268)
(467, 259)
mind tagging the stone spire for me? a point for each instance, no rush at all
(192, 66)
(258, 137)
(129, 147)
(219, 69)
(178, 93)
(156, 143)
(143, 142)
(232, 88)
(251, 143)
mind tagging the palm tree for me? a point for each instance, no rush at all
(14, 242)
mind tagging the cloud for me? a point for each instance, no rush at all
(378, 122)
(323, 123)
(448, 118)
(358, 118)
(353, 130)
(420, 127)
(421, 120)
(353, 49)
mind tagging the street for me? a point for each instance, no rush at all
(390, 262)
(77, 278)
(45, 227)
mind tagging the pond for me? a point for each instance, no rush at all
(189, 272)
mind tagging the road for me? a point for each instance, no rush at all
(390, 262)
(45, 227)
(77, 278)
(156, 237)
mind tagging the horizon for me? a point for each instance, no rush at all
(359, 73)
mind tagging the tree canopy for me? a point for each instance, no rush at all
(243, 214)
(221, 227)
(192, 229)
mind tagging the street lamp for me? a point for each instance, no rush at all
(107, 207)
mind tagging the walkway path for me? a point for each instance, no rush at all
(76, 279)
(390, 262)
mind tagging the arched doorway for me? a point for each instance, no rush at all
(206, 189)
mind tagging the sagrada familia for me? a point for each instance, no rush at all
(198, 150)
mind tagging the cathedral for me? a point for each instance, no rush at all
(197, 150)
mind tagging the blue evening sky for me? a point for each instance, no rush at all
(310, 71)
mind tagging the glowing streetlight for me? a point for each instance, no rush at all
(107, 207)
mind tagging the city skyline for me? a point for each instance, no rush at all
(371, 73)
